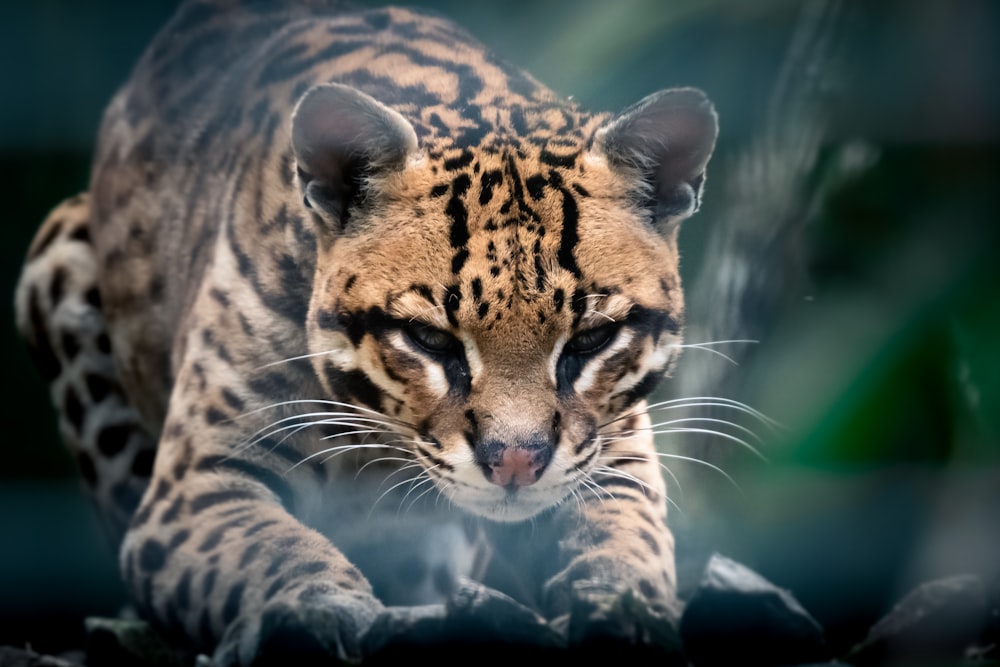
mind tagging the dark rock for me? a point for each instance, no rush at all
(476, 621)
(737, 617)
(128, 642)
(15, 657)
(939, 620)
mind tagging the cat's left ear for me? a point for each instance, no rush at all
(666, 139)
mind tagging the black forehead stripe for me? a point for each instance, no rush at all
(570, 236)
(456, 210)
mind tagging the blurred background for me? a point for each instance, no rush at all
(850, 227)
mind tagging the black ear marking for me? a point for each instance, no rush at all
(342, 137)
(668, 138)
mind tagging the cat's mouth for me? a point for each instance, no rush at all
(511, 503)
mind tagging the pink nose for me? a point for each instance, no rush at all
(518, 467)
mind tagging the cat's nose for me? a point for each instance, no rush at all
(513, 465)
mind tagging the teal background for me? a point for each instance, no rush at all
(882, 361)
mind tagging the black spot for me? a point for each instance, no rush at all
(648, 538)
(157, 286)
(349, 283)
(97, 386)
(463, 160)
(221, 297)
(214, 415)
(483, 310)
(179, 538)
(259, 526)
(354, 384)
(570, 235)
(70, 346)
(152, 556)
(558, 298)
(208, 583)
(173, 512)
(458, 261)
(488, 181)
(234, 401)
(439, 190)
(536, 186)
(212, 498)
(93, 297)
(182, 594)
(249, 554)
(57, 288)
(112, 439)
(455, 210)
(142, 464)
(477, 289)
(554, 160)
(231, 608)
(452, 301)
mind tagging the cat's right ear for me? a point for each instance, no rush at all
(342, 139)
(665, 140)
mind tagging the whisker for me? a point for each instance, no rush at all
(728, 436)
(417, 499)
(714, 467)
(339, 450)
(698, 402)
(707, 347)
(291, 359)
(321, 401)
(621, 474)
(643, 459)
(410, 480)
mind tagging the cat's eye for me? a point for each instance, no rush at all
(593, 340)
(430, 339)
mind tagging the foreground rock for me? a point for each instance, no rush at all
(941, 620)
(737, 617)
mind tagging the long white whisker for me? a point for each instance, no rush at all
(340, 449)
(321, 401)
(290, 359)
(643, 459)
(721, 434)
(698, 402)
(714, 467)
(682, 420)
(707, 347)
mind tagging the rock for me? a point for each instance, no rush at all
(476, 621)
(939, 620)
(15, 657)
(113, 641)
(735, 616)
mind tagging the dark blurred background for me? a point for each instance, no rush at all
(878, 323)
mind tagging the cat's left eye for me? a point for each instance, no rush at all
(431, 339)
(593, 340)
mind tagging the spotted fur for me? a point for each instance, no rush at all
(385, 304)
